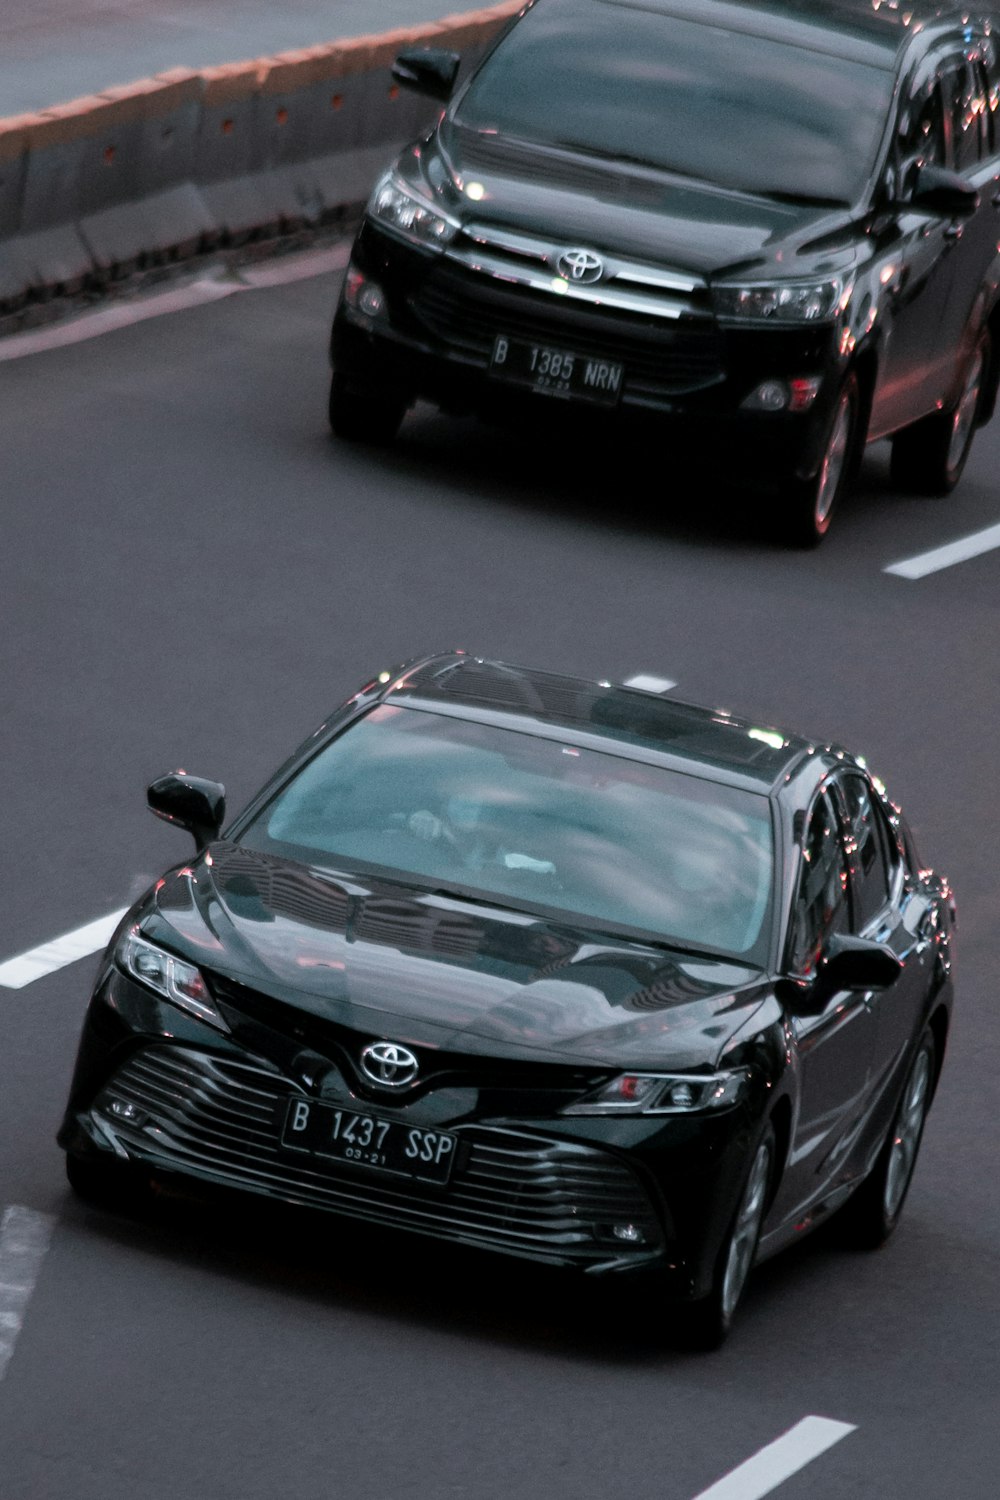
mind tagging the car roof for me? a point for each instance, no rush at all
(709, 742)
(869, 31)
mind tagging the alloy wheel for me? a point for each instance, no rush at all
(964, 416)
(907, 1132)
(834, 460)
(746, 1231)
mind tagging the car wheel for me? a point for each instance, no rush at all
(707, 1322)
(809, 504)
(107, 1184)
(872, 1213)
(928, 458)
(365, 416)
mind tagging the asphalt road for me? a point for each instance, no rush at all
(192, 573)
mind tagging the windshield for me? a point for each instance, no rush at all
(727, 108)
(541, 824)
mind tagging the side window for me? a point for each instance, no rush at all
(964, 102)
(821, 904)
(991, 83)
(872, 856)
(920, 139)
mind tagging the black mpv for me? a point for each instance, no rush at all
(546, 966)
(769, 227)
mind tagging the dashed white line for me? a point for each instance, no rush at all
(948, 555)
(647, 684)
(45, 959)
(777, 1462)
(209, 288)
(24, 1239)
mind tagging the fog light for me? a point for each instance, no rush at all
(123, 1109)
(627, 1232)
(770, 395)
(371, 301)
(362, 295)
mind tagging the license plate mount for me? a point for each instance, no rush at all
(554, 371)
(359, 1139)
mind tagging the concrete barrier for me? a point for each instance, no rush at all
(173, 165)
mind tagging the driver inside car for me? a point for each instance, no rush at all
(462, 830)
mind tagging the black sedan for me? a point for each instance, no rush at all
(547, 966)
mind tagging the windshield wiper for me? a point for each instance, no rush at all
(626, 158)
(804, 200)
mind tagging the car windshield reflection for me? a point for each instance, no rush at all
(534, 822)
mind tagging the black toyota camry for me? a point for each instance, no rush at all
(551, 967)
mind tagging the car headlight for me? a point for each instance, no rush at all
(398, 208)
(171, 977)
(663, 1094)
(785, 301)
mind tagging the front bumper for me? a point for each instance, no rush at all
(685, 379)
(156, 1087)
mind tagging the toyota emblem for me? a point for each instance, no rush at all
(389, 1064)
(581, 266)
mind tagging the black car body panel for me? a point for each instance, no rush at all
(515, 1017)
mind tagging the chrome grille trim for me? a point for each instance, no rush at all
(221, 1118)
(522, 260)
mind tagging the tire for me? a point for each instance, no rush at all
(869, 1217)
(706, 1323)
(808, 505)
(929, 457)
(365, 416)
(110, 1184)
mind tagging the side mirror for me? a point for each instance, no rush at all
(427, 70)
(943, 193)
(853, 963)
(848, 963)
(190, 802)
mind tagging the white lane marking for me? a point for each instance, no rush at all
(947, 556)
(45, 959)
(777, 1462)
(647, 684)
(24, 1239)
(209, 288)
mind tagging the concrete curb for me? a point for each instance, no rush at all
(169, 167)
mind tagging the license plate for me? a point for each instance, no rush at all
(558, 372)
(368, 1141)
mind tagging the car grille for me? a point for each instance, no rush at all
(467, 314)
(221, 1119)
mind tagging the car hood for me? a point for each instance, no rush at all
(618, 209)
(427, 969)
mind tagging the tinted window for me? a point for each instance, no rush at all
(539, 823)
(966, 106)
(720, 106)
(867, 847)
(921, 136)
(992, 86)
(821, 906)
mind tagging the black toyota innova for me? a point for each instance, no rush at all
(766, 228)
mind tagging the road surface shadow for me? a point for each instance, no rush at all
(440, 1287)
